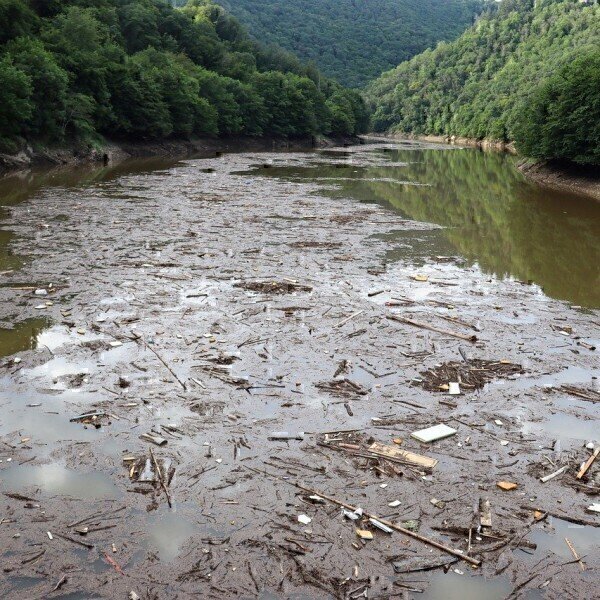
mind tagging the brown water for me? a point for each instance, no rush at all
(24, 335)
(491, 215)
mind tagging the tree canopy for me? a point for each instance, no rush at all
(526, 72)
(353, 41)
(81, 69)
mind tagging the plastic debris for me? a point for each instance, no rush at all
(285, 435)
(432, 434)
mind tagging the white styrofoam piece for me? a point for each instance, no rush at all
(431, 434)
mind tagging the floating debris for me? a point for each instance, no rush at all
(273, 287)
(432, 434)
(472, 375)
(342, 387)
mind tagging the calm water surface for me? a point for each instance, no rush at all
(491, 215)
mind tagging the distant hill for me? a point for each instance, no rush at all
(527, 71)
(354, 40)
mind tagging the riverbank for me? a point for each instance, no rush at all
(450, 141)
(565, 178)
(209, 335)
(113, 152)
(578, 180)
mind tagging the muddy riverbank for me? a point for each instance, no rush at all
(569, 179)
(208, 305)
(114, 152)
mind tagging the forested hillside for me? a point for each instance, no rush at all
(354, 41)
(80, 69)
(527, 72)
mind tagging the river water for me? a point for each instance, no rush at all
(491, 221)
(490, 214)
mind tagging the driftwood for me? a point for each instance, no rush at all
(584, 469)
(393, 526)
(181, 383)
(161, 478)
(460, 336)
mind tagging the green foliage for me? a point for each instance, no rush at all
(562, 118)
(353, 40)
(496, 76)
(141, 69)
(49, 86)
(16, 19)
(16, 106)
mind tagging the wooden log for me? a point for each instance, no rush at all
(460, 336)
(395, 527)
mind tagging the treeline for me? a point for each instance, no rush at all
(353, 41)
(80, 69)
(527, 72)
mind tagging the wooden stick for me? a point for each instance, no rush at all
(181, 383)
(460, 336)
(160, 478)
(553, 475)
(74, 541)
(560, 515)
(575, 555)
(584, 469)
(344, 321)
(391, 525)
(114, 563)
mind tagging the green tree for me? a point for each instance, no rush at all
(139, 25)
(16, 19)
(49, 84)
(562, 118)
(15, 98)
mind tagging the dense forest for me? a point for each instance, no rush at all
(83, 69)
(354, 41)
(528, 71)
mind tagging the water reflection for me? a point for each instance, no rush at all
(492, 215)
(56, 479)
(24, 336)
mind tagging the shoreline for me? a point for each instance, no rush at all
(114, 152)
(544, 173)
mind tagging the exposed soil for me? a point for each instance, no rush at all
(116, 151)
(144, 431)
(577, 180)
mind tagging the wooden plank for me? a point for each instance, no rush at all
(584, 469)
(397, 453)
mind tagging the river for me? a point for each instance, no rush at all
(211, 303)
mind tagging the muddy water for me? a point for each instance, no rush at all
(150, 257)
(490, 214)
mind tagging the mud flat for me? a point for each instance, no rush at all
(212, 308)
